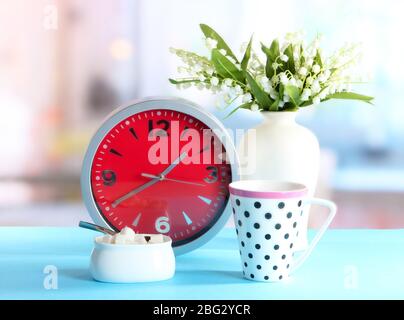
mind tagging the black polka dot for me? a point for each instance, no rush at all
(286, 236)
(248, 235)
(250, 255)
(289, 215)
(257, 246)
(239, 223)
(237, 231)
(238, 202)
(267, 236)
(294, 224)
(266, 278)
(240, 252)
(299, 204)
(257, 204)
(242, 243)
(301, 213)
(268, 216)
(287, 266)
(275, 268)
(252, 276)
(256, 225)
(277, 226)
(291, 246)
(281, 205)
(234, 211)
(243, 273)
(245, 264)
(283, 257)
(267, 257)
(276, 247)
(280, 277)
(246, 214)
(258, 267)
(297, 233)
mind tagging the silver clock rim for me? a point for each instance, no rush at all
(146, 104)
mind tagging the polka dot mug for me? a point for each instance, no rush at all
(266, 215)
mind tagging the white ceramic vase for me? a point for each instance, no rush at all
(284, 151)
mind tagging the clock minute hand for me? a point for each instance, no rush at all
(135, 191)
(173, 164)
(147, 175)
(150, 183)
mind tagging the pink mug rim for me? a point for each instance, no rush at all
(296, 189)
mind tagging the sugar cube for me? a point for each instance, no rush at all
(156, 238)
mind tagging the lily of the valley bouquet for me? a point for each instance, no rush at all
(282, 76)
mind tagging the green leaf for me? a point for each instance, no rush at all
(272, 53)
(259, 93)
(225, 67)
(317, 59)
(351, 96)
(294, 94)
(173, 81)
(243, 106)
(210, 33)
(247, 55)
(274, 105)
(290, 65)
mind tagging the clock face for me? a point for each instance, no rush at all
(161, 171)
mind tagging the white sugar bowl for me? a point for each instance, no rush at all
(128, 263)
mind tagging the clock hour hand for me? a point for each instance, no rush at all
(147, 175)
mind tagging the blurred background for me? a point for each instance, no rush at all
(66, 64)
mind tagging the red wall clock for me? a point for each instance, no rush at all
(161, 165)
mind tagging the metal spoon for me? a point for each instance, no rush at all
(94, 227)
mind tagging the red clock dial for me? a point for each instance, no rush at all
(145, 174)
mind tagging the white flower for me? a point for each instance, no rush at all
(210, 71)
(303, 71)
(306, 92)
(246, 97)
(316, 68)
(322, 94)
(228, 82)
(284, 58)
(316, 100)
(281, 104)
(286, 98)
(299, 83)
(214, 81)
(238, 89)
(210, 43)
(223, 52)
(254, 107)
(315, 86)
(309, 80)
(293, 82)
(283, 78)
(201, 78)
(273, 93)
(275, 65)
(309, 62)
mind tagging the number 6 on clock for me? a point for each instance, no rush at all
(162, 225)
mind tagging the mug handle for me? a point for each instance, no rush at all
(332, 211)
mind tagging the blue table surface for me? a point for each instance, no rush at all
(347, 264)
